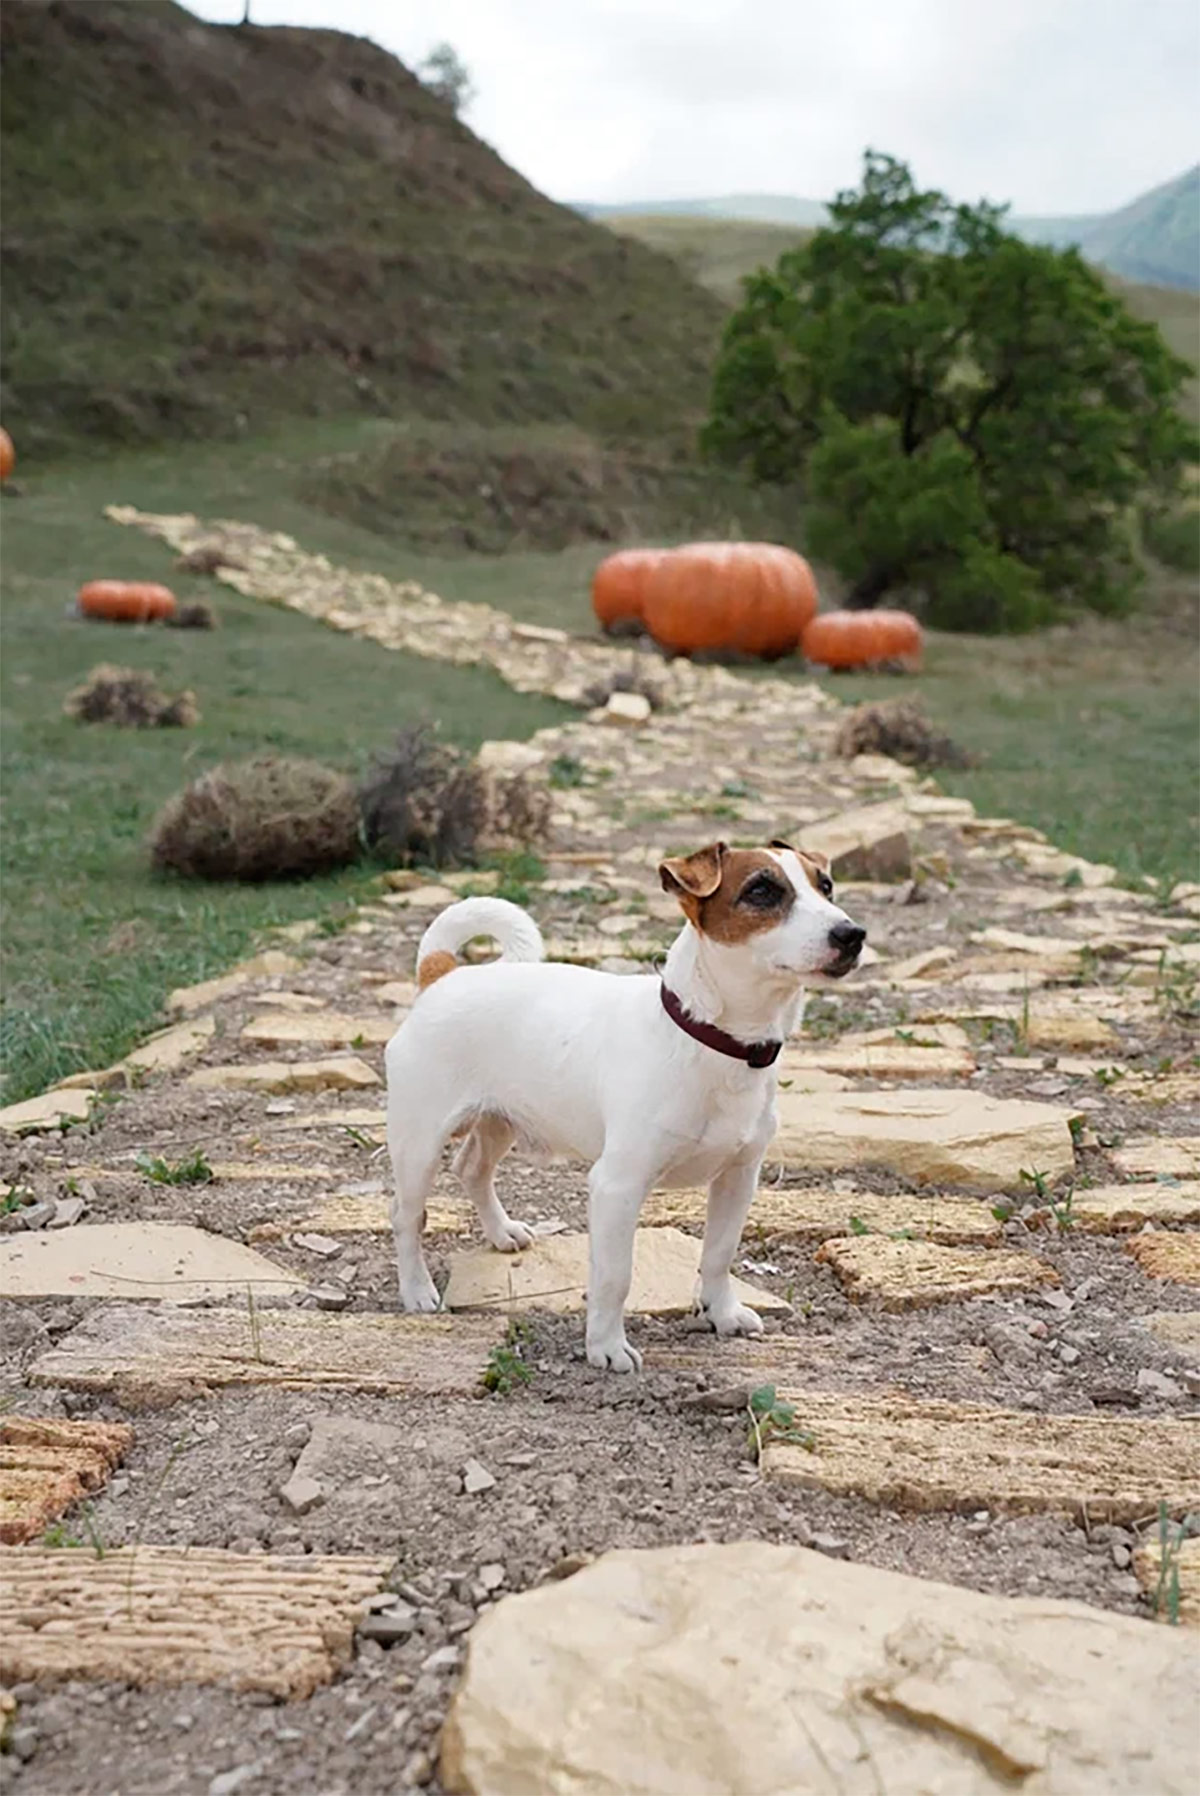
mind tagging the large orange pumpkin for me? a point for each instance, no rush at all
(744, 598)
(863, 639)
(126, 601)
(8, 455)
(619, 586)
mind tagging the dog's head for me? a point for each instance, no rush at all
(774, 904)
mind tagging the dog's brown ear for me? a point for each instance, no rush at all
(778, 842)
(816, 857)
(694, 875)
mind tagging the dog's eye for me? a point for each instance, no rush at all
(763, 893)
(824, 885)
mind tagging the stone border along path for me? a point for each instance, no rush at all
(1002, 1043)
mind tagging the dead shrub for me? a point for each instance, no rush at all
(599, 692)
(424, 802)
(899, 728)
(272, 817)
(195, 615)
(207, 558)
(130, 699)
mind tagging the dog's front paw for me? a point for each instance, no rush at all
(614, 1356)
(735, 1319)
(419, 1295)
(510, 1237)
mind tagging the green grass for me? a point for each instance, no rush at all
(92, 942)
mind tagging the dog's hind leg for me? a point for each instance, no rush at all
(414, 1154)
(487, 1142)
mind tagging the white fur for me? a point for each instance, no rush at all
(589, 1065)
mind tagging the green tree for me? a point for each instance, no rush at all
(445, 74)
(968, 415)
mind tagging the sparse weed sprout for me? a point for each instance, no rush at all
(193, 1169)
(507, 1367)
(772, 1421)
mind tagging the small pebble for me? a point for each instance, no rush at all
(301, 1494)
(1122, 1558)
(476, 1478)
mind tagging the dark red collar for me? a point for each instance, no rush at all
(755, 1053)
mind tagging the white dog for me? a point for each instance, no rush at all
(650, 1082)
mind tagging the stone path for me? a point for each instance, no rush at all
(974, 1247)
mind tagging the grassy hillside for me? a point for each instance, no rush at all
(206, 229)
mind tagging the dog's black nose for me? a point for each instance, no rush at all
(847, 938)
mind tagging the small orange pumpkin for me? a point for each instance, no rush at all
(8, 455)
(742, 598)
(619, 588)
(842, 639)
(126, 601)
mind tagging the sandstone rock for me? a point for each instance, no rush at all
(1179, 1329)
(755, 1670)
(629, 708)
(354, 1116)
(903, 1275)
(136, 1261)
(925, 1454)
(934, 1137)
(301, 1493)
(167, 1051)
(939, 806)
(1160, 1156)
(365, 1214)
(268, 1171)
(165, 1615)
(295, 1001)
(817, 1215)
(869, 843)
(49, 1111)
(920, 966)
(321, 1029)
(508, 758)
(1118, 1209)
(880, 1060)
(344, 1073)
(421, 898)
(47, 1465)
(299, 1350)
(552, 1275)
(1170, 1256)
(190, 998)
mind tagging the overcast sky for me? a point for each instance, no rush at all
(1056, 105)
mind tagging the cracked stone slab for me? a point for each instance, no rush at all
(166, 1615)
(50, 1110)
(927, 1454)
(818, 1215)
(1170, 1256)
(139, 1261)
(908, 1275)
(1160, 1156)
(340, 1073)
(881, 1060)
(318, 1029)
(1118, 1209)
(364, 1213)
(932, 1137)
(552, 1275)
(46, 1465)
(1148, 1564)
(752, 1669)
(177, 1352)
(167, 1051)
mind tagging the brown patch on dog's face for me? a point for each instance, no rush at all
(747, 891)
(814, 864)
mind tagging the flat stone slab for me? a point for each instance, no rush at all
(1179, 1329)
(318, 1029)
(1118, 1209)
(273, 963)
(270, 1171)
(759, 1670)
(351, 1118)
(49, 1110)
(1164, 1255)
(552, 1275)
(909, 1275)
(925, 1454)
(870, 842)
(1165, 1156)
(136, 1260)
(167, 1051)
(177, 1352)
(196, 1615)
(880, 1060)
(1184, 1600)
(932, 1137)
(344, 1073)
(46, 1465)
(364, 1215)
(820, 1215)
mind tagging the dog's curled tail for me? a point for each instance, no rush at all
(514, 929)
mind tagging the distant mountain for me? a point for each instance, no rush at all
(1156, 238)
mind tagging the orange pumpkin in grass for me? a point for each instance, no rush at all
(740, 598)
(8, 455)
(126, 601)
(844, 639)
(619, 587)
